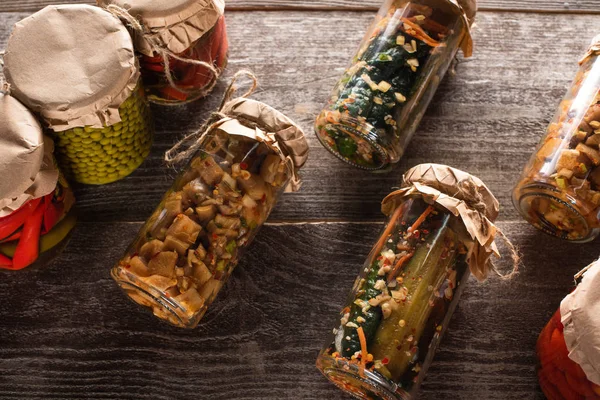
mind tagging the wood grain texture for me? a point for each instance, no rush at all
(485, 119)
(68, 332)
(562, 6)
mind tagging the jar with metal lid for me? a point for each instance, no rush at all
(568, 348)
(559, 190)
(36, 216)
(378, 103)
(439, 229)
(190, 35)
(187, 249)
(75, 66)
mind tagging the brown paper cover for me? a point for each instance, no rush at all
(175, 23)
(580, 316)
(466, 197)
(72, 64)
(468, 9)
(26, 161)
(263, 123)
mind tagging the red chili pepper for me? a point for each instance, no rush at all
(28, 248)
(12, 237)
(243, 165)
(174, 94)
(5, 262)
(54, 211)
(12, 222)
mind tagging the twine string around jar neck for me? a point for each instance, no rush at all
(159, 48)
(475, 200)
(174, 155)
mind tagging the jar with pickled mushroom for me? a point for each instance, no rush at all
(568, 348)
(559, 190)
(378, 103)
(439, 229)
(190, 35)
(194, 239)
(86, 88)
(36, 215)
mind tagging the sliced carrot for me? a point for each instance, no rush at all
(388, 229)
(421, 219)
(420, 33)
(363, 349)
(403, 260)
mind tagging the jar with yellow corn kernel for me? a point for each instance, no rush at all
(86, 88)
(559, 190)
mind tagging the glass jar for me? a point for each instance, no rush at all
(36, 214)
(192, 242)
(407, 290)
(38, 231)
(185, 32)
(192, 81)
(378, 103)
(568, 346)
(98, 156)
(87, 91)
(559, 190)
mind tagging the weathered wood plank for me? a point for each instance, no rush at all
(576, 6)
(68, 332)
(486, 119)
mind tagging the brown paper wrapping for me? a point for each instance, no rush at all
(258, 121)
(593, 50)
(580, 315)
(466, 197)
(26, 161)
(72, 64)
(468, 9)
(175, 23)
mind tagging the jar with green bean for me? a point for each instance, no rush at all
(401, 303)
(96, 113)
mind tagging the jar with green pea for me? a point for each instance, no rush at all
(87, 91)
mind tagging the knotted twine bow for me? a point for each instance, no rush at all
(159, 48)
(467, 198)
(288, 142)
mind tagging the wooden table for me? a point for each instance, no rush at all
(66, 331)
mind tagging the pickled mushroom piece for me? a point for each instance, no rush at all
(163, 264)
(210, 289)
(200, 271)
(273, 170)
(210, 171)
(138, 266)
(151, 248)
(190, 300)
(206, 213)
(255, 187)
(184, 229)
(195, 192)
(174, 244)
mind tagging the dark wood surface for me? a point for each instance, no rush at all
(67, 332)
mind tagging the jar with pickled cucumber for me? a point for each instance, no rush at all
(187, 249)
(36, 214)
(87, 91)
(378, 103)
(191, 34)
(559, 190)
(568, 348)
(393, 320)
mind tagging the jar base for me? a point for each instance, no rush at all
(352, 142)
(366, 385)
(162, 307)
(554, 212)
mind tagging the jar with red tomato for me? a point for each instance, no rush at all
(183, 47)
(569, 346)
(36, 215)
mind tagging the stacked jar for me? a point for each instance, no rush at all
(36, 215)
(187, 249)
(559, 190)
(183, 45)
(440, 228)
(86, 87)
(378, 103)
(569, 346)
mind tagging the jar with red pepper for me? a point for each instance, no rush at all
(569, 346)
(183, 46)
(35, 201)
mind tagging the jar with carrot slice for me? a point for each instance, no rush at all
(559, 190)
(182, 45)
(568, 348)
(36, 215)
(376, 106)
(439, 229)
(186, 251)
